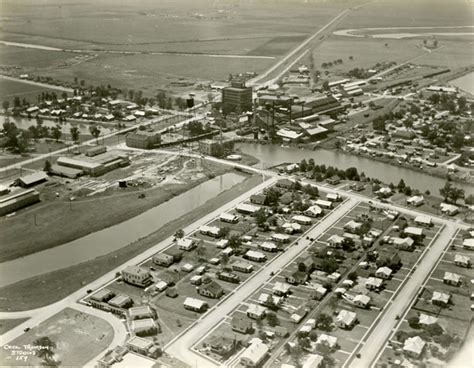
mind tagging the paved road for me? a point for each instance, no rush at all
(180, 347)
(377, 339)
(292, 54)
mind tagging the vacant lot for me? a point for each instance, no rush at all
(78, 337)
(8, 324)
(23, 57)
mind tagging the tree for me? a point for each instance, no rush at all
(74, 134)
(45, 350)
(303, 165)
(351, 173)
(235, 242)
(324, 322)
(329, 265)
(261, 217)
(444, 340)
(56, 132)
(179, 234)
(95, 131)
(271, 197)
(304, 343)
(5, 105)
(353, 276)
(326, 85)
(272, 319)
(401, 185)
(451, 193)
(348, 245)
(413, 322)
(313, 335)
(47, 166)
(434, 329)
(223, 232)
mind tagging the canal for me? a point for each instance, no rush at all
(271, 155)
(115, 237)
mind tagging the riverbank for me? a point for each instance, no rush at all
(48, 288)
(328, 144)
(55, 222)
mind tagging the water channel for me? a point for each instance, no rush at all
(271, 155)
(117, 236)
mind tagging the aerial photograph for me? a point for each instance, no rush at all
(237, 183)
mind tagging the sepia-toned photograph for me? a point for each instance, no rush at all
(237, 183)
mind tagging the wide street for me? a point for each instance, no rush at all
(377, 338)
(181, 346)
(292, 58)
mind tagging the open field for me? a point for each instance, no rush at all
(10, 89)
(78, 337)
(8, 324)
(22, 57)
(150, 71)
(48, 288)
(257, 28)
(406, 13)
(151, 23)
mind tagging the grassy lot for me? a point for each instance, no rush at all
(8, 324)
(48, 288)
(78, 336)
(393, 13)
(24, 57)
(147, 72)
(9, 89)
(157, 23)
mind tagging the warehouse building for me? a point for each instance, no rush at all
(17, 200)
(97, 165)
(66, 172)
(31, 180)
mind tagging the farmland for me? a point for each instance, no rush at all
(263, 29)
(9, 88)
(405, 13)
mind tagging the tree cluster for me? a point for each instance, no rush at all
(450, 193)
